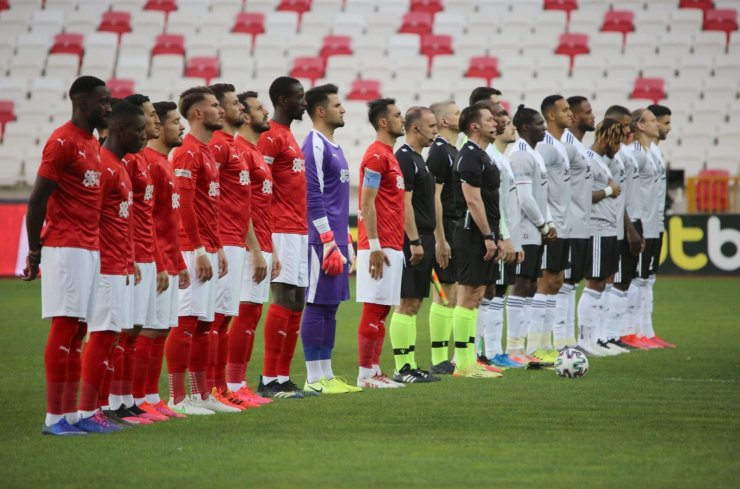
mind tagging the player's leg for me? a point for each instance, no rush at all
(519, 301)
(440, 328)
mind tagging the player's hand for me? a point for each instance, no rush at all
(491, 249)
(351, 257)
(443, 253)
(551, 235)
(333, 260)
(277, 266)
(377, 260)
(616, 189)
(417, 253)
(634, 240)
(203, 268)
(223, 263)
(137, 274)
(163, 282)
(507, 253)
(259, 267)
(642, 244)
(183, 279)
(33, 260)
(520, 256)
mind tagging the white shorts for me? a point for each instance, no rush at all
(145, 296)
(69, 278)
(230, 285)
(292, 250)
(167, 303)
(114, 306)
(200, 298)
(257, 293)
(387, 290)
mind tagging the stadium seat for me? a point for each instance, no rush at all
(641, 45)
(202, 67)
(348, 24)
(7, 114)
(252, 23)
(452, 23)
(649, 88)
(169, 44)
(69, 44)
(183, 22)
(4, 4)
(724, 20)
(342, 70)
(410, 69)
(166, 67)
(82, 22)
(309, 67)
(433, 45)
(336, 46)
(281, 23)
(709, 44)
(63, 65)
(621, 21)
(317, 24)
(165, 6)
(686, 21)
(566, 6)
(300, 7)
(132, 66)
(430, 6)
(118, 22)
(485, 67)
(47, 21)
(416, 23)
(702, 5)
(364, 90)
(572, 45)
(380, 26)
(11, 161)
(120, 87)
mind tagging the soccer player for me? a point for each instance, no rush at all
(530, 177)
(114, 303)
(260, 260)
(380, 228)
(196, 177)
(557, 114)
(67, 195)
(476, 232)
(331, 255)
(485, 94)
(290, 236)
(604, 255)
(440, 160)
(420, 127)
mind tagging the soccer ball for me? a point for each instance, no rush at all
(571, 363)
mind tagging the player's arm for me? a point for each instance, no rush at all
(471, 173)
(408, 168)
(633, 237)
(523, 170)
(442, 250)
(259, 265)
(35, 216)
(611, 190)
(186, 177)
(370, 186)
(163, 278)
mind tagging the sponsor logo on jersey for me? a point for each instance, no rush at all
(181, 172)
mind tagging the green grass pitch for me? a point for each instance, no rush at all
(646, 419)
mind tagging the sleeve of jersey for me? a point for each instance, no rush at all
(438, 163)
(523, 168)
(502, 222)
(186, 175)
(314, 157)
(408, 168)
(470, 170)
(53, 160)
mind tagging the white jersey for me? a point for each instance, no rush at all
(579, 210)
(603, 212)
(648, 193)
(530, 177)
(663, 184)
(508, 200)
(558, 182)
(618, 168)
(631, 191)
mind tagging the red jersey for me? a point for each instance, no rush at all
(281, 151)
(145, 250)
(166, 210)
(261, 178)
(390, 201)
(236, 191)
(116, 248)
(196, 177)
(71, 158)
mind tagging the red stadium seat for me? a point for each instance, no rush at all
(364, 90)
(649, 88)
(4, 5)
(68, 43)
(712, 188)
(436, 45)
(311, 67)
(697, 4)
(619, 21)
(430, 6)
(724, 20)
(572, 45)
(252, 23)
(298, 6)
(165, 6)
(417, 23)
(483, 67)
(566, 6)
(206, 67)
(169, 44)
(118, 22)
(336, 46)
(120, 87)
(7, 114)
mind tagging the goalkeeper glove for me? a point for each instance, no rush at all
(333, 262)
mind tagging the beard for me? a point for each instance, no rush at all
(213, 126)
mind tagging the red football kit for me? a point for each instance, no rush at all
(116, 248)
(234, 185)
(260, 175)
(145, 249)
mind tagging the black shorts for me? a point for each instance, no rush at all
(447, 275)
(555, 255)
(506, 273)
(627, 267)
(603, 257)
(531, 267)
(578, 262)
(656, 255)
(469, 248)
(417, 279)
(646, 261)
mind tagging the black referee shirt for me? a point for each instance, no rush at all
(419, 180)
(474, 167)
(442, 156)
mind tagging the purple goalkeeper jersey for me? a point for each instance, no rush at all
(327, 188)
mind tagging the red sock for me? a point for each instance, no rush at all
(105, 382)
(124, 373)
(369, 332)
(222, 355)
(379, 340)
(177, 350)
(141, 364)
(286, 354)
(115, 363)
(213, 350)
(56, 361)
(94, 365)
(241, 341)
(154, 369)
(276, 330)
(199, 357)
(72, 382)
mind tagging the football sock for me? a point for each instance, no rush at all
(400, 332)
(94, 365)
(141, 366)
(56, 361)
(199, 358)
(275, 331)
(494, 329)
(222, 355)
(463, 322)
(379, 341)
(291, 339)
(115, 362)
(587, 312)
(647, 309)
(105, 383)
(483, 320)
(440, 329)
(570, 324)
(124, 371)
(412, 344)
(537, 322)
(549, 321)
(562, 336)
(634, 301)
(472, 325)
(617, 301)
(213, 350)
(368, 333)
(72, 382)
(241, 341)
(312, 337)
(177, 351)
(154, 370)
(330, 333)
(515, 324)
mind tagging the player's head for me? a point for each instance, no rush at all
(199, 105)
(645, 123)
(529, 124)
(621, 114)
(608, 137)
(126, 129)
(663, 115)
(322, 103)
(172, 129)
(421, 125)
(583, 115)
(385, 116)
(556, 110)
(152, 120)
(477, 122)
(508, 135)
(255, 114)
(447, 114)
(233, 109)
(484, 93)
(91, 100)
(287, 96)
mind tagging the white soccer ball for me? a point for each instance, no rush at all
(571, 363)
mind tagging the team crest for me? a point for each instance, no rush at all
(244, 177)
(149, 192)
(344, 176)
(267, 186)
(175, 201)
(213, 190)
(123, 209)
(399, 183)
(91, 179)
(297, 165)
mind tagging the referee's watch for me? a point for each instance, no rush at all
(415, 242)
(489, 237)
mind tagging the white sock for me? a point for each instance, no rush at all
(549, 322)
(128, 400)
(570, 325)
(615, 316)
(634, 299)
(139, 400)
(233, 387)
(326, 370)
(515, 324)
(648, 312)
(266, 380)
(366, 373)
(494, 329)
(53, 419)
(73, 418)
(587, 308)
(115, 401)
(282, 379)
(153, 399)
(313, 371)
(481, 323)
(560, 332)
(537, 313)
(377, 369)
(600, 315)
(85, 414)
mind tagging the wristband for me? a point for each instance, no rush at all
(326, 237)
(489, 237)
(608, 191)
(200, 251)
(545, 229)
(415, 242)
(374, 244)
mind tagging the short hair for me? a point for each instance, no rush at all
(245, 95)
(377, 109)
(319, 96)
(549, 102)
(414, 115)
(123, 112)
(164, 108)
(524, 115)
(659, 110)
(616, 111)
(472, 114)
(636, 117)
(137, 99)
(609, 130)
(280, 87)
(84, 85)
(576, 100)
(221, 89)
(115, 101)
(482, 93)
(440, 108)
(192, 96)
